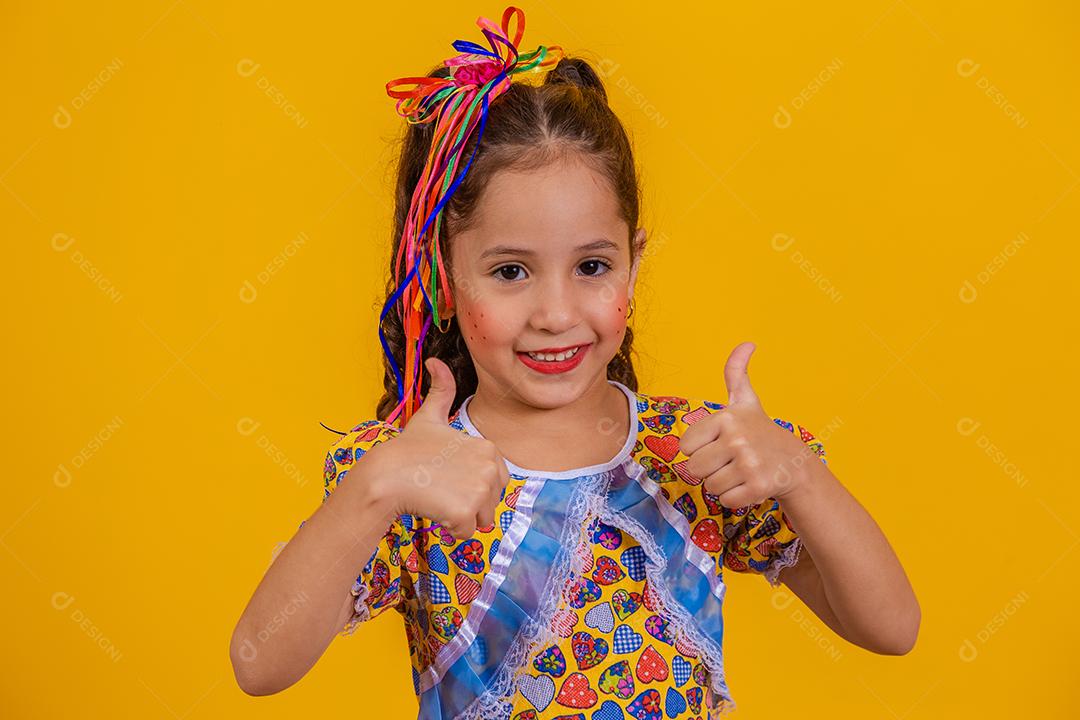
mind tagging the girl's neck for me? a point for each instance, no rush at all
(589, 431)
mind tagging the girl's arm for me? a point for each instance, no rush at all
(305, 597)
(847, 572)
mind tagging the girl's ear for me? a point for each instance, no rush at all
(637, 249)
(440, 299)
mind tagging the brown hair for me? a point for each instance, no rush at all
(527, 127)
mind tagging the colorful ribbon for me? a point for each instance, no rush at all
(478, 76)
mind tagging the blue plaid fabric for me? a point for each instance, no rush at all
(625, 640)
(633, 558)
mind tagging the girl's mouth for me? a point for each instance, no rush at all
(570, 360)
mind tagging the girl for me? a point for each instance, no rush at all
(553, 538)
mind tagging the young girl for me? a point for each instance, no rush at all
(553, 538)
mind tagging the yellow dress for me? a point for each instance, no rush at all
(597, 595)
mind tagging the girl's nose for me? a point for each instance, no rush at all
(556, 309)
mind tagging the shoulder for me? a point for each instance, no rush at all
(364, 436)
(663, 419)
(352, 446)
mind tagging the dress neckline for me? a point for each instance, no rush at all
(622, 456)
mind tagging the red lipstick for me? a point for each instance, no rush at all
(555, 366)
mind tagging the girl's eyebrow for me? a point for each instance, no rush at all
(601, 244)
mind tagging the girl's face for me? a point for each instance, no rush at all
(544, 265)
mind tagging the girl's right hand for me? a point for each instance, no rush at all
(435, 471)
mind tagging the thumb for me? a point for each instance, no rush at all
(441, 393)
(737, 377)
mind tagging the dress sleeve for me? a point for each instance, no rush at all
(760, 538)
(386, 576)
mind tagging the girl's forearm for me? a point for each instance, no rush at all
(861, 576)
(305, 597)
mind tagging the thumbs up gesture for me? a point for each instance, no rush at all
(738, 451)
(435, 471)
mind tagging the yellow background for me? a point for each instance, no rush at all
(198, 248)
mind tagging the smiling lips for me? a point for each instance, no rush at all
(555, 361)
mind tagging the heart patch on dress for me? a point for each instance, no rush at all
(707, 535)
(446, 622)
(617, 680)
(660, 629)
(589, 651)
(659, 424)
(625, 603)
(604, 535)
(600, 617)
(609, 710)
(576, 693)
(551, 661)
(626, 640)
(563, 622)
(664, 447)
(675, 703)
(607, 571)
(467, 589)
(469, 556)
(582, 591)
(680, 670)
(646, 706)
(693, 696)
(684, 646)
(651, 666)
(633, 558)
(538, 690)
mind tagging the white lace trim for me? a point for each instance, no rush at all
(496, 702)
(361, 612)
(681, 620)
(787, 557)
(477, 609)
(694, 554)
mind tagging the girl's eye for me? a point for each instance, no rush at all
(596, 262)
(502, 274)
(592, 271)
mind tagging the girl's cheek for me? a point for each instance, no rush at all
(480, 325)
(618, 310)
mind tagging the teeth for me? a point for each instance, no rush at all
(548, 357)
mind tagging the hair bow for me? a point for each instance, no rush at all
(477, 76)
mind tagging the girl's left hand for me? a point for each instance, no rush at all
(742, 455)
